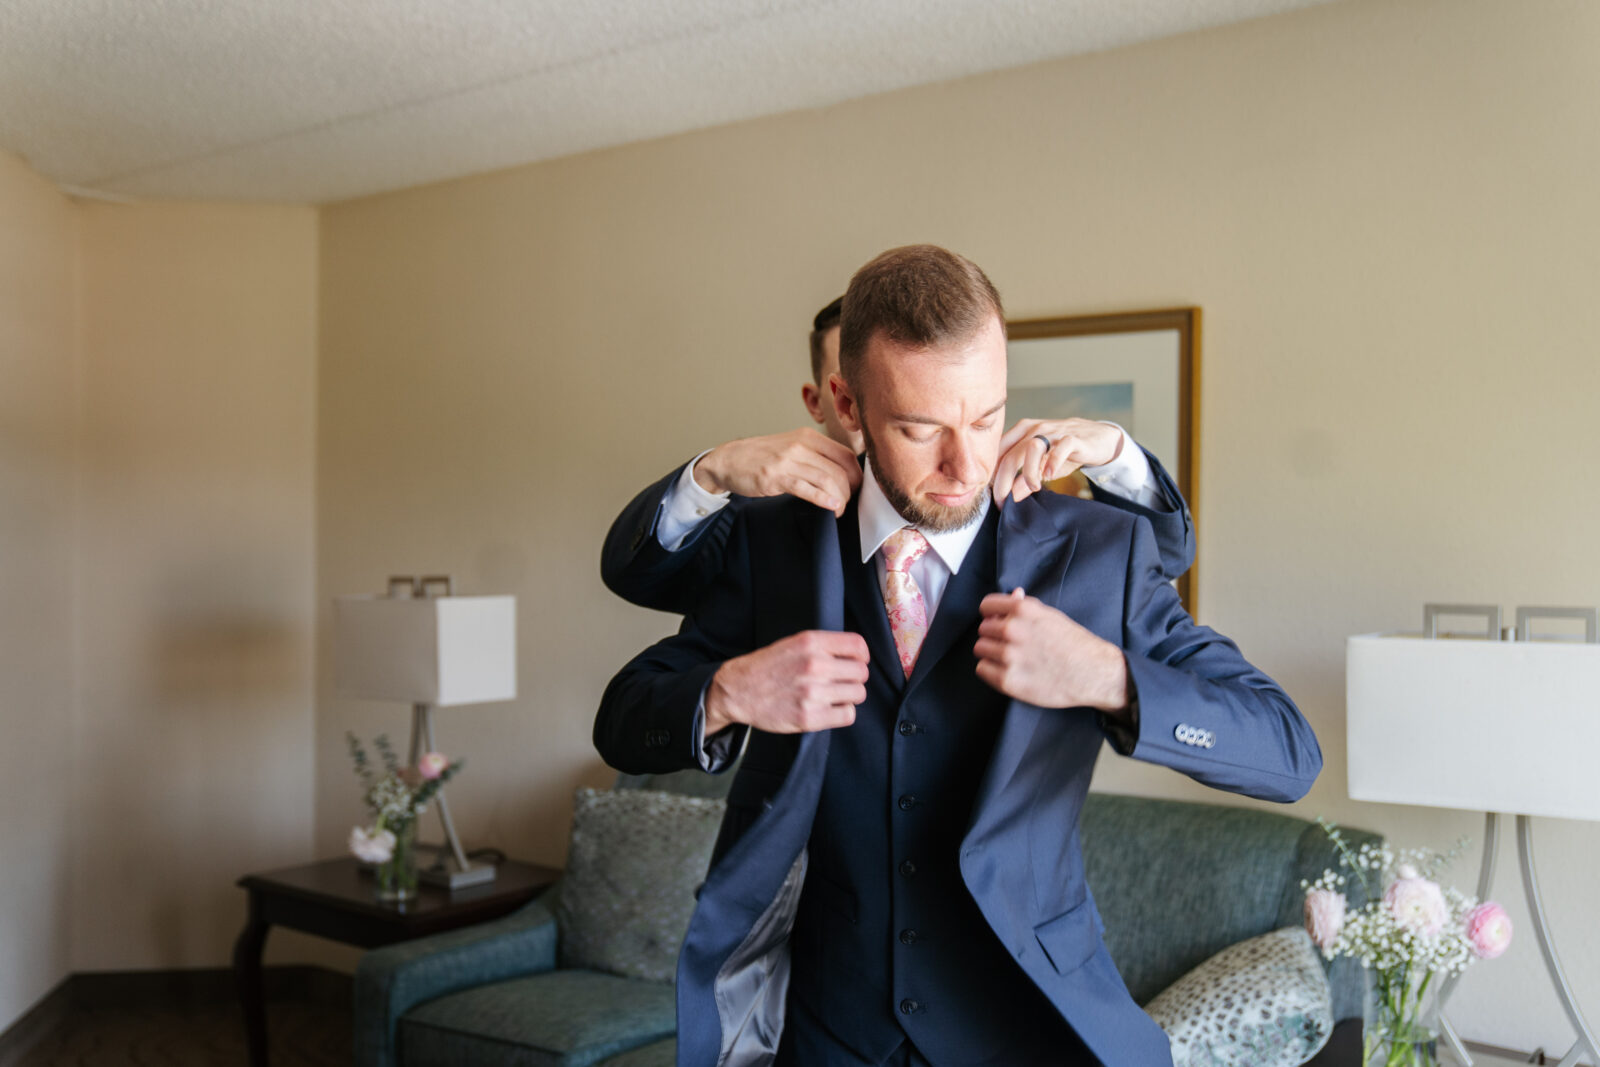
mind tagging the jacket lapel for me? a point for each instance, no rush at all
(1033, 552)
(829, 570)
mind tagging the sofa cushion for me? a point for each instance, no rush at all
(660, 1054)
(636, 858)
(555, 1019)
(1261, 1003)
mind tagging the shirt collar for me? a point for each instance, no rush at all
(878, 519)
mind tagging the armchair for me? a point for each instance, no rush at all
(494, 994)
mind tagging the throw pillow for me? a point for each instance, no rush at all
(635, 860)
(1263, 1002)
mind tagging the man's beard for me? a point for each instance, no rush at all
(931, 516)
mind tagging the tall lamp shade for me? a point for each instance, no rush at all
(1507, 725)
(429, 652)
(442, 651)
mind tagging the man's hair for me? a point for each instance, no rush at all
(826, 320)
(919, 296)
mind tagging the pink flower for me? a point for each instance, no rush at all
(1417, 904)
(432, 765)
(1489, 930)
(1324, 916)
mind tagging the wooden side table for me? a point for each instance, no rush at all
(334, 899)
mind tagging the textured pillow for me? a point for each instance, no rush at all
(636, 858)
(1259, 1003)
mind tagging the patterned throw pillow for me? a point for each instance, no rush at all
(636, 858)
(1260, 1003)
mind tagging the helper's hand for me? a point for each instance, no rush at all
(1026, 464)
(808, 681)
(1030, 651)
(802, 463)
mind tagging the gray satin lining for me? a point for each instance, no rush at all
(752, 988)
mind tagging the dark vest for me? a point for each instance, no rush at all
(888, 943)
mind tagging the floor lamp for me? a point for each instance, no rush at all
(1510, 722)
(430, 651)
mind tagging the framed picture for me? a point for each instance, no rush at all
(1139, 369)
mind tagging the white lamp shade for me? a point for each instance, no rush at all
(1502, 726)
(431, 650)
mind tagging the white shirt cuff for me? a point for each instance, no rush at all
(719, 755)
(685, 506)
(1129, 475)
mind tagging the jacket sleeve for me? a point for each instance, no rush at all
(635, 566)
(1173, 524)
(646, 721)
(1203, 708)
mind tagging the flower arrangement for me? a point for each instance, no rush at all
(1409, 938)
(394, 798)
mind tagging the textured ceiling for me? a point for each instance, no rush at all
(319, 100)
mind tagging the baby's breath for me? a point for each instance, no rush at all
(1373, 933)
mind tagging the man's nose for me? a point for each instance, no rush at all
(961, 460)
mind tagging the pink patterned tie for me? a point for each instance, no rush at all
(908, 615)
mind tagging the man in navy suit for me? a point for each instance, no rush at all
(667, 544)
(920, 688)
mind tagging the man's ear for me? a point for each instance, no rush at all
(844, 404)
(811, 396)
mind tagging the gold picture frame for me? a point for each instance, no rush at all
(1137, 368)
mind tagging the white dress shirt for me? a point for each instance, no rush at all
(878, 519)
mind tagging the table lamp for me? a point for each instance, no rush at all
(1509, 722)
(429, 651)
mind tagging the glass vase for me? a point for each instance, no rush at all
(397, 879)
(1401, 1018)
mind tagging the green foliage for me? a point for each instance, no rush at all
(358, 756)
(399, 794)
(391, 762)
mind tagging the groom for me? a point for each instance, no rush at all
(920, 689)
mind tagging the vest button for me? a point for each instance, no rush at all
(907, 728)
(908, 802)
(908, 868)
(908, 937)
(909, 1006)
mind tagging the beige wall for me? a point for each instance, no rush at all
(192, 753)
(1386, 210)
(38, 254)
(156, 538)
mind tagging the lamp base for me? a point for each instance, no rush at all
(445, 873)
(447, 877)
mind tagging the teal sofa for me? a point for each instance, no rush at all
(1176, 882)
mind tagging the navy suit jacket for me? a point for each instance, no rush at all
(635, 566)
(1202, 710)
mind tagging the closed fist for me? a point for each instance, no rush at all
(806, 682)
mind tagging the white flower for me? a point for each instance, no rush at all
(1417, 904)
(371, 846)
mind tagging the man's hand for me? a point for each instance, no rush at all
(1026, 464)
(1030, 651)
(806, 682)
(802, 463)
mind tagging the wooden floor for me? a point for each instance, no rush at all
(301, 1034)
